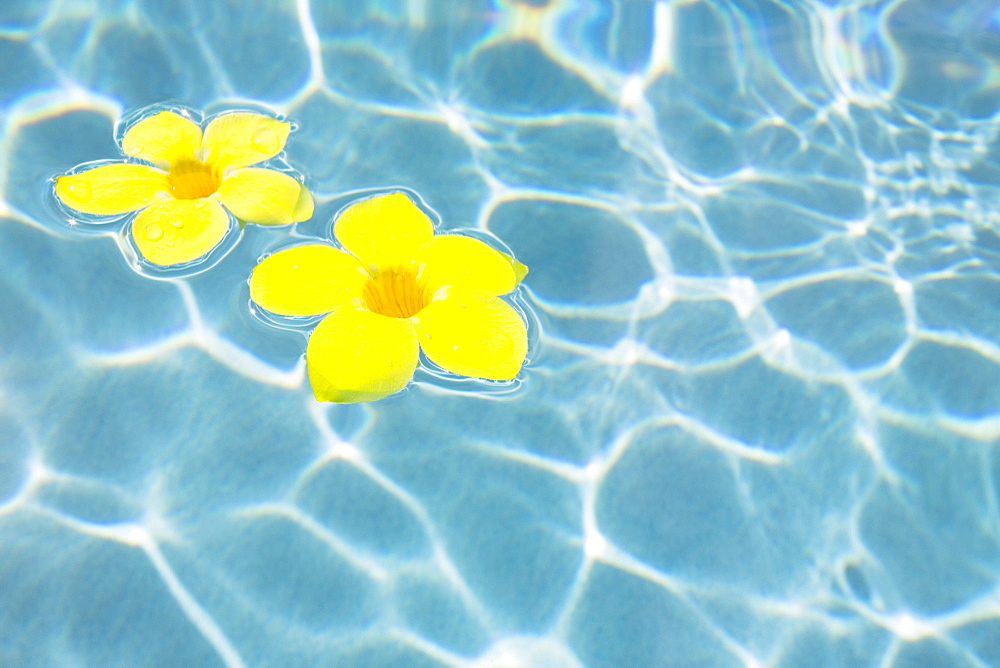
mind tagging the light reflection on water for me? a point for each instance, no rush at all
(757, 423)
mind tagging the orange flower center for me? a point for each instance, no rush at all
(395, 293)
(190, 179)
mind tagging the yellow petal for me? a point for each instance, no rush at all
(520, 269)
(468, 264)
(179, 230)
(162, 139)
(355, 355)
(384, 231)
(304, 205)
(474, 335)
(112, 189)
(261, 196)
(243, 138)
(307, 280)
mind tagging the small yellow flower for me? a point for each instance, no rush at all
(399, 288)
(194, 175)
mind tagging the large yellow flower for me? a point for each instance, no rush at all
(194, 174)
(399, 288)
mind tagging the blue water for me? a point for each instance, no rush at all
(760, 420)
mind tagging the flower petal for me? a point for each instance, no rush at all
(304, 205)
(243, 138)
(179, 230)
(474, 335)
(355, 355)
(384, 231)
(112, 189)
(162, 139)
(261, 196)
(467, 263)
(307, 280)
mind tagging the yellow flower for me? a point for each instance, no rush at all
(399, 288)
(194, 175)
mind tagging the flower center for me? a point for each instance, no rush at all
(190, 179)
(395, 293)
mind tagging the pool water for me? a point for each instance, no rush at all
(760, 417)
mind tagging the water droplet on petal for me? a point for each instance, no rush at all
(153, 232)
(133, 149)
(265, 141)
(79, 191)
(177, 222)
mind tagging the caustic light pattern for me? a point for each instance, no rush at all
(760, 426)
(192, 178)
(398, 289)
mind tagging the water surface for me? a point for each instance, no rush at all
(758, 425)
